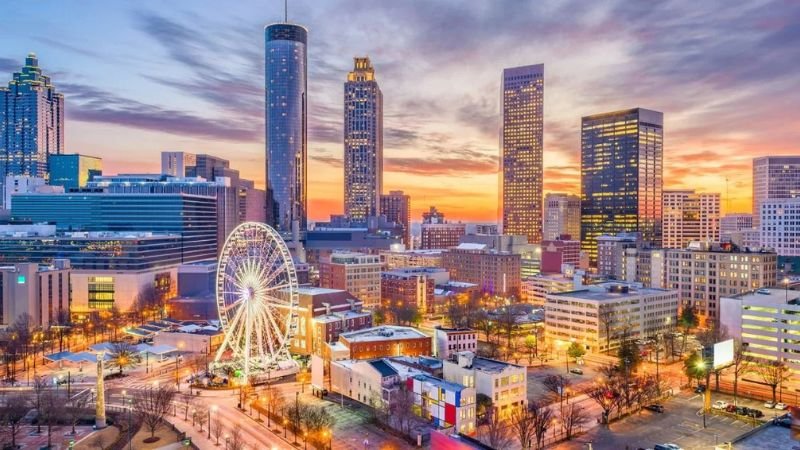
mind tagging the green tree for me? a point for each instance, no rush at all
(694, 367)
(687, 321)
(576, 351)
(379, 316)
(124, 356)
(629, 357)
(531, 344)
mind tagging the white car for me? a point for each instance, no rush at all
(720, 404)
(781, 406)
(769, 404)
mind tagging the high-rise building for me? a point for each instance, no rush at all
(31, 122)
(363, 142)
(704, 273)
(621, 176)
(690, 216)
(177, 164)
(286, 125)
(521, 151)
(437, 233)
(411, 287)
(396, 206)
(774, 177)
(779, 227)
(357, 273)
(497, 273)
(611, 254)
(562, 215)
(731, 223)
(40, 291)
(74, 171)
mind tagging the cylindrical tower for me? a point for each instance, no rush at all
(286, 110)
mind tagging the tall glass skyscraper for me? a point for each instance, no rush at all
(363, 142)
(522, 151)
(31, 122)
(621, 176)
(286, 125)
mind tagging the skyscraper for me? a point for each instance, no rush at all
(621, 176)
(396, 206)
(286, 125)
(73, 171)
(562, 215)
(31, 122)
(774, 177)
(521, 151)
(690, 216)
(363, 142)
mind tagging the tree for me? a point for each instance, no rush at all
(201, 415)
(401, 408)
(275, 400)
(687, 321)
(123, 356)
(495, 433)
(379, 315)
(773, 373)
(742, 364)
(707, 337)
(605, 318)
(573, 417)
(507, 321)
(13, 411)
(531, 342)
(629, 357)
(51, 409)
(694, 367)
(39, 388)
(542, 420)
(217, 428)
(557, 384)
(522, 420)
(576, 351)
(151, 404)
(236, 441)
(75, 408)
(407, 315)
(483, 404)
(607, 396)
(316, 419)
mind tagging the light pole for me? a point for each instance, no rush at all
(130, 422)
(213, 408)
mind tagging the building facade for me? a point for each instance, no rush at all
(397, 259)
(73, 171)
(611, 254)
(534, 289)
(774, 177)
(497, 273)
(443, 403)
(357, 273)
(323, 314)
(505, 383)
(286, 116)
(733, 223)
(386, 340)
(363, 141)
(702, 274)
(522, 150)
(449, 341)
(396, 206)
(599, 316)
(411, 287)
(690, 216)
(621, 176)
(31, 122)
(562, 216)
(558, 252)
(779, 225)
(41, 291)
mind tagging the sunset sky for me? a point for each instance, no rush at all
(147, 76)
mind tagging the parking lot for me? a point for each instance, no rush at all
(537, 374)
(681, 424)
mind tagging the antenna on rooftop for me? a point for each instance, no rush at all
(286, 11)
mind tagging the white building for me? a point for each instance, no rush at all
(584, 315)
(611, 254)
(780, 225)
(765, 321)
(444, 403)
(774, 177)
(534, 289)
(689, 216)
(24, 184)
(448, 341)
(369, 382)
(562, 215)
(505, 383)
(42, 291)
(731, 223)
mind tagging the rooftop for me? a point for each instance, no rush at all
(609, 291)
(383, 368)
(768, 296)
(383, 333)
(446, 385)
(311, 290)
(491, 365)
(337, 316)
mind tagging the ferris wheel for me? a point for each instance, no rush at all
(257, 298)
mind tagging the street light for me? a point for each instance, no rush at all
(213, 408)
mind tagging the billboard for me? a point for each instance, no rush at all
(723, 354)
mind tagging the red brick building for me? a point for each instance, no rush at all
(411, 287)
(386, 340)
(497, 273)
(560, 251)
(323, 314)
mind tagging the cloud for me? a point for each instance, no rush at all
(439, 166)
(8, 65)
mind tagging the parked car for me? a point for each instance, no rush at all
(769, 404)
(757, 413)
(655, 407)
(576, 371)
(741, 410)
(720, 404)
(731, 408)
(781, 406)
(785, 422)
(701, 388)
(667, 446)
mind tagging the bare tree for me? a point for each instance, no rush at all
(51, 410)
(605, 317)
(236, 441)
(123, 356)
(152, 404)
(741, 365)
(39, 388)
(275, 401)
(607, 396)
(573, 417)
(75, 409)
(507, 321)
(557, 384)
(522, 420)
(217, 429)
(542, 420)
(201, 415)
(495, 433)
(13, 411)
(773, 373)
(401, 408)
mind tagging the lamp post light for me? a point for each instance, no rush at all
(130, 423)
(285, 423)
(213, 408)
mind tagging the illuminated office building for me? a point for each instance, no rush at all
(396, 206)
(521, 151)
(286, 125)
(562, 215)
(690, 216)
(621, 176)
(774, 177)
(31, 122)
(74, 171)
(363, 142)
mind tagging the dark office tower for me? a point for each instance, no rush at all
(621, 176)
(396, 206)
(286, 112)
(31, 122)
(521, 151)
(363, 142)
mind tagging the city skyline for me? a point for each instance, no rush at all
(715, 107)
